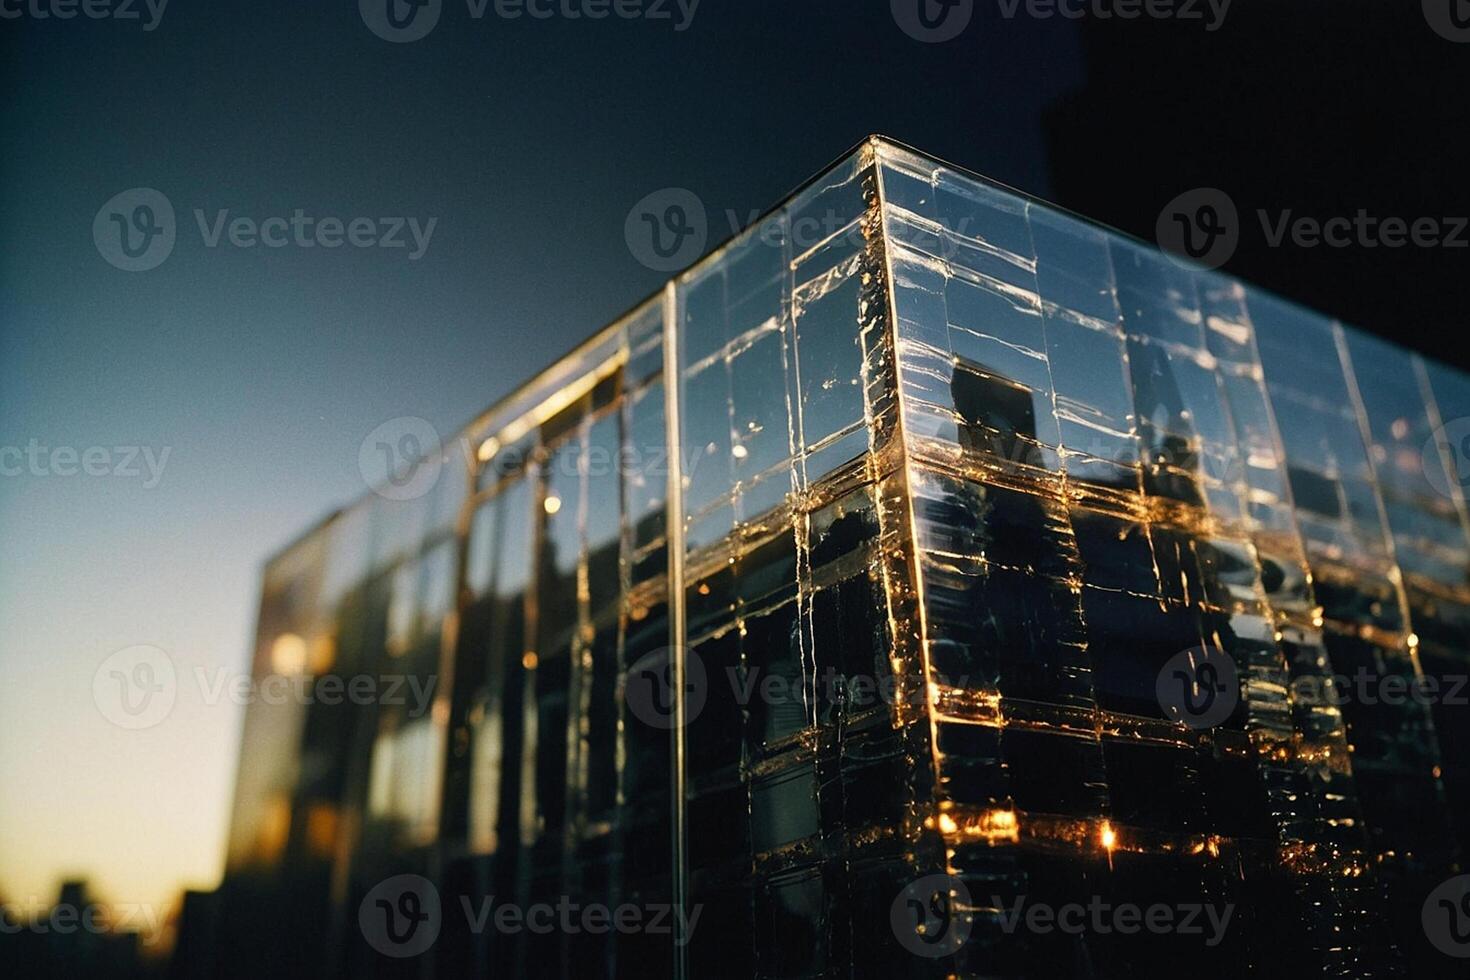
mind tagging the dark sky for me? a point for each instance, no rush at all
(529, 141)
(1302, 112)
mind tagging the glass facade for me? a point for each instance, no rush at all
(855, 561)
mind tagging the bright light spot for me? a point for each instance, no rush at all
(528, 661)
(1109, 838)
(288, 655)
(552, 504)
(1003, 819)
(739, 451)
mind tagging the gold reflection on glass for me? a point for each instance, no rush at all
(275, 828)
(321, 829)
(288, 655)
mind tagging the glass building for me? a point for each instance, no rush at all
(833, 593)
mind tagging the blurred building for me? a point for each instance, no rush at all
(904, 519)
(195, 952)
(77, 936)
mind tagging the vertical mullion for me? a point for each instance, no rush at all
(673, 389)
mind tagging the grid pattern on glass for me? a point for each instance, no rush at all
(959, 442)
(781, 340)
(1424, 511)
(1447, 659)
(998, 562)
(1105, 341)
(1368, 634)
(1314, 789)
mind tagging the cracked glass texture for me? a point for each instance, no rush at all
(921, 483)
